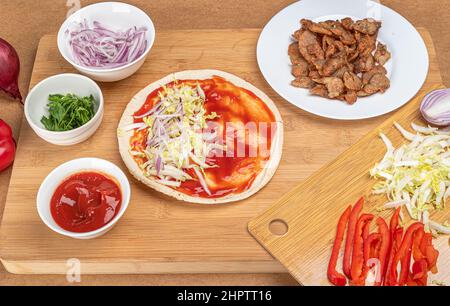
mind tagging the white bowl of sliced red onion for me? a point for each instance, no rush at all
(107, 41)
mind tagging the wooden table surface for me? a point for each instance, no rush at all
(24, 34)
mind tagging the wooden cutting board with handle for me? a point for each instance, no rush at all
(158, 234)
(299, 229)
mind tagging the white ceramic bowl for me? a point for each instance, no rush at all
(57, 176)
(115, 15)
(37, 100)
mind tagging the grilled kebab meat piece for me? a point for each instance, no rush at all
(339, 59)
(368, 75)
(301, 68)
(334, 63)
(352, 81)
(350, 97)
(335, 86)
(303, 82)
(294, 53)
(314, 27)
(367, 26)
(378, 83)
(319, 90)
(347, 23)
(382, 55)
(309, 46)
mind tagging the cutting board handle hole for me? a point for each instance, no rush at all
(278, 227)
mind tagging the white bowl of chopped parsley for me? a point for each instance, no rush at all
(65, 109)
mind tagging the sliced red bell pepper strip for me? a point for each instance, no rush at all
(419, 269)
(351, 235)
(432, 256)
(393, 225)
(416, 251)
(427, 240)
(420, 272)
(423, 282)
(405, 264)
(375, 249)
(384, 249)
(370, 245)
(394, 232)
(367, 246)
(395, 245)
(404, 255)
(335, 277)
(366, 230)
(398, 235)
(430, 253)
(357, 273)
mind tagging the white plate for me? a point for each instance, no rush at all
(407, 68)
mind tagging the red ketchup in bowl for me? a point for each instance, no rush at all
(85, 202)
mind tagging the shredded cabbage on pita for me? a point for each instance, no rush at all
(175, 138)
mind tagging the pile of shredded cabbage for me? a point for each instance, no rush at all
(417, 174)
(176, 137)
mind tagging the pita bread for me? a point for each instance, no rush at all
(139, 99)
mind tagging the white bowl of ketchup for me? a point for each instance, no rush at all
(83, 198)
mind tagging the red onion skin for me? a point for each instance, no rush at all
(9, 70)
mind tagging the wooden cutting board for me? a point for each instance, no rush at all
(299, 229)
(158, 234)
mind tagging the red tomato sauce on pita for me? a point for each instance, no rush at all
(235, 173)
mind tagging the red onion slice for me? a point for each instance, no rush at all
(435, 107)
(159, 164)
(102, 47)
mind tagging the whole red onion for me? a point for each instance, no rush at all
(9, 70)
